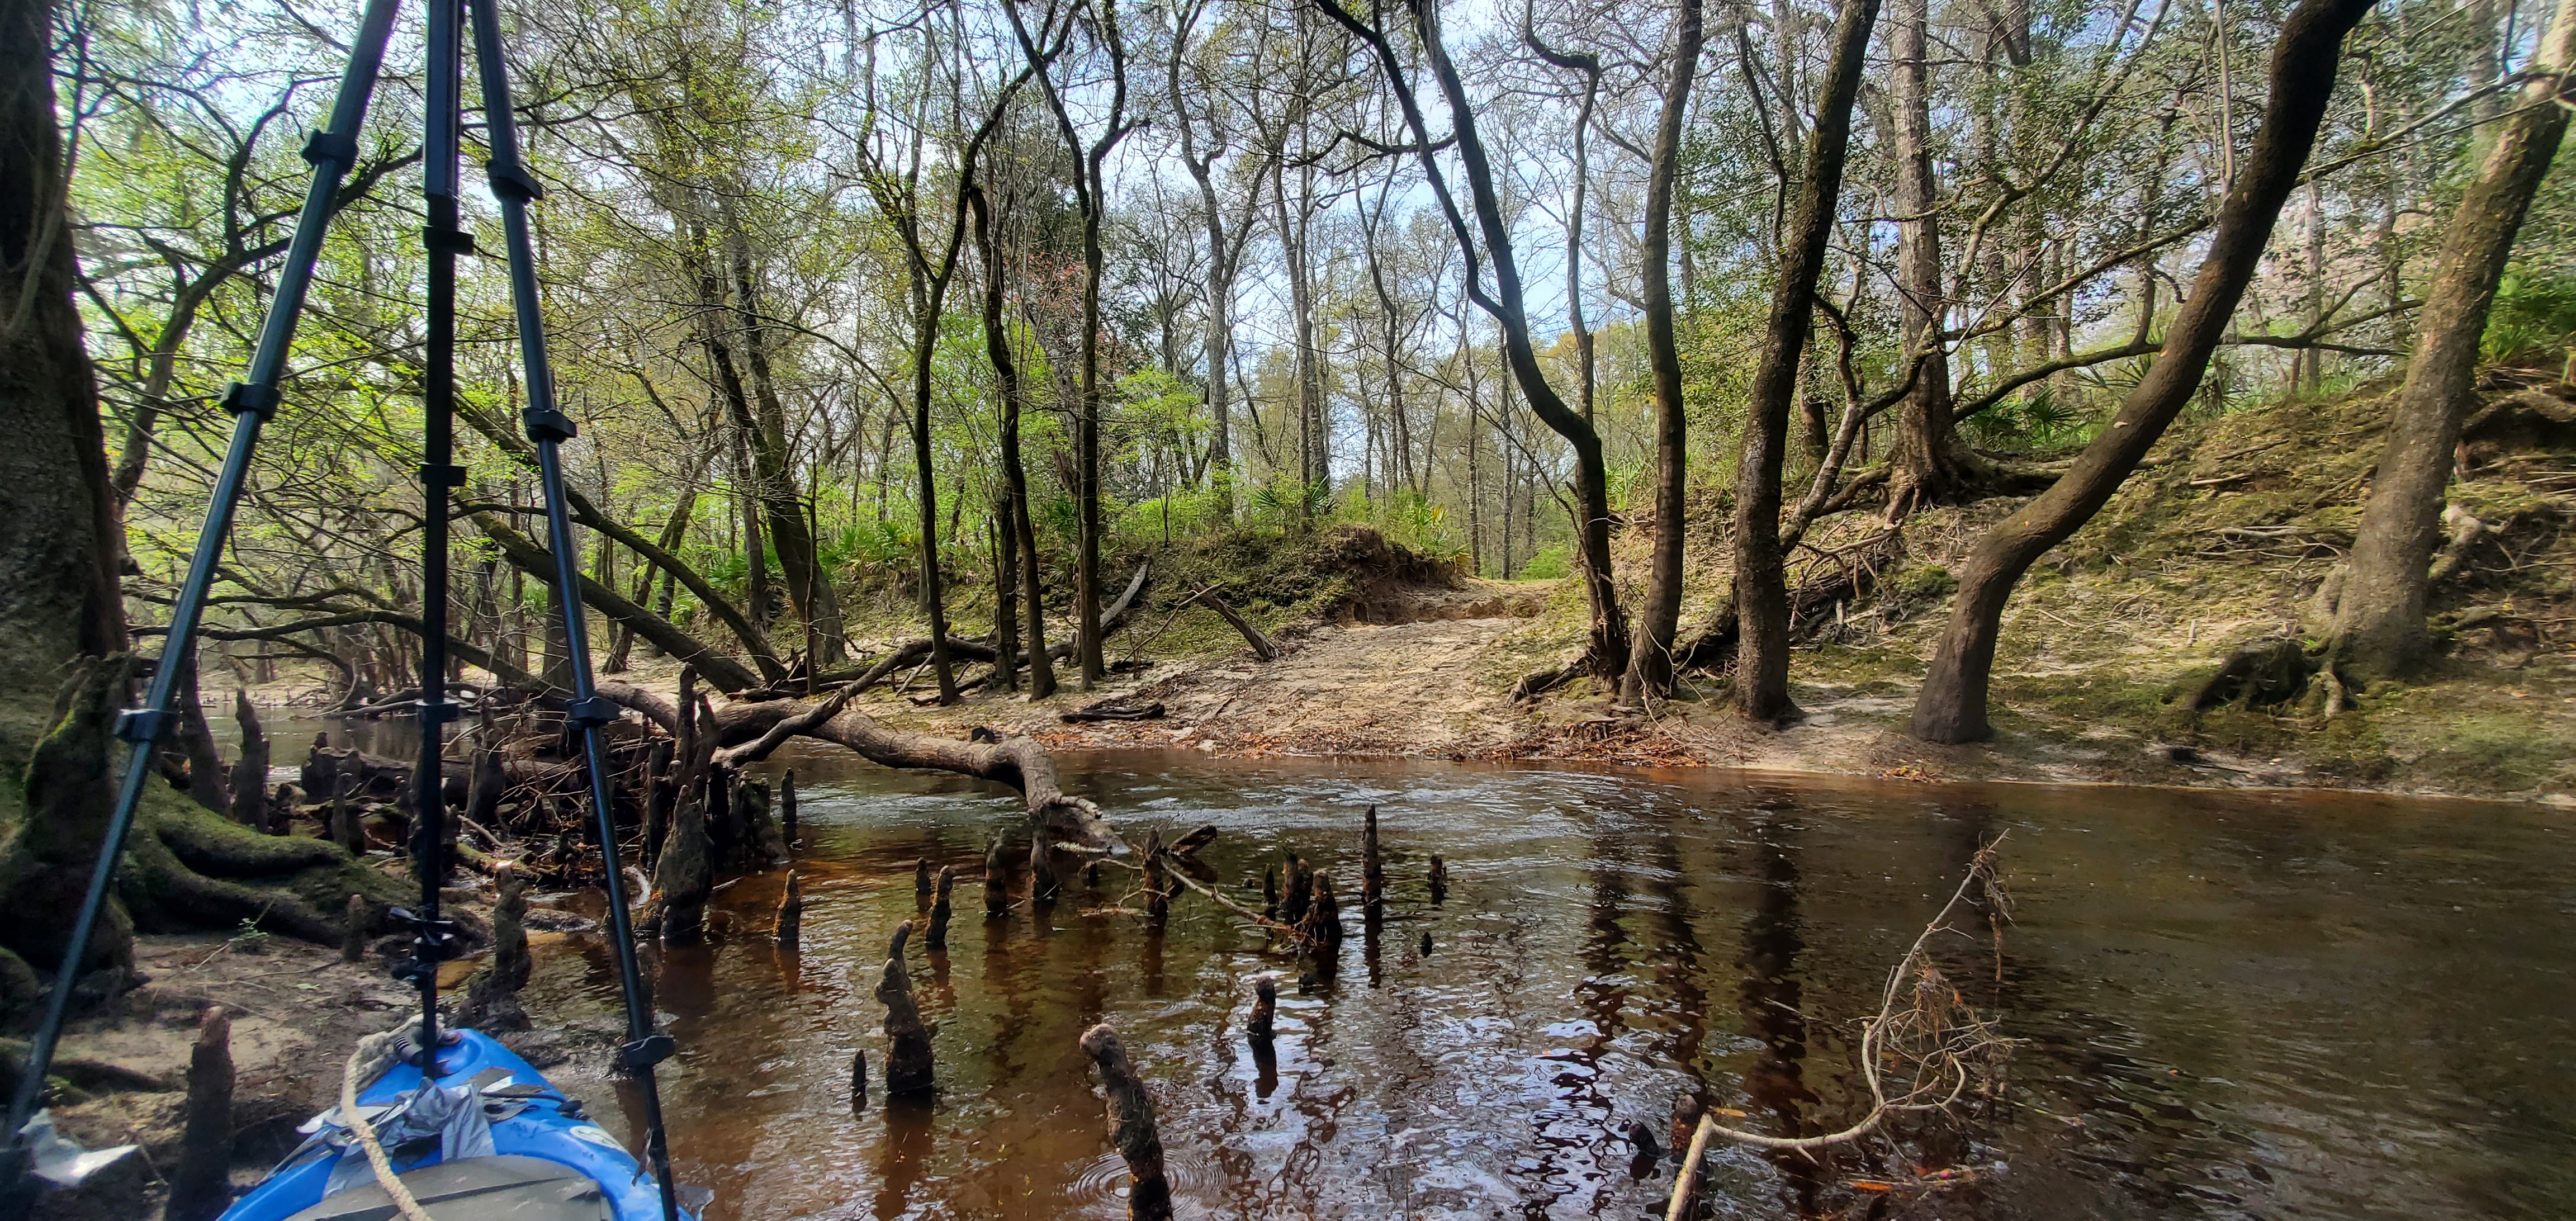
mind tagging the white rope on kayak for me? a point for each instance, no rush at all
(404, 1205)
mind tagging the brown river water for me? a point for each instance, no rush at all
(2231, 1005)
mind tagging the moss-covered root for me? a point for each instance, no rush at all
(184, 867)
(188, 868)
(46, 861)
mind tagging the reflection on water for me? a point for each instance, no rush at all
(2236, 1006)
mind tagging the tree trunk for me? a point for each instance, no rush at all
(59, 546)
(2379, 618)
(773, 470)
(1952, 704)
(1606, 653)
(1931, 465)
(1015, 476)
(1761, 578)
(1650, 665)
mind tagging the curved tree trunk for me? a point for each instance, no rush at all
(2379, 616)
(1952, 704)
(1761, 578)
(1650, 663)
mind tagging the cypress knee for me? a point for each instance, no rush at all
(1324, 919)
(661, 792)
(1292, 902)
(346, 828)
(1156, 901)
(1042, 883)
(921, 877)
(1439, 879)
(908, 1057)
(353, 930)
(250, 774)
(201, 1187)
(493, 1002)
(791, 915)
(685, 875)
(997, 885)
(859, 1080)
(787, 806)
(1270, 891)
(1131, 1127)
(938, 938)
(1372, 869)
(1265, 1008)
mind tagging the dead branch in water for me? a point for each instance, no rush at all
(1924, 1041)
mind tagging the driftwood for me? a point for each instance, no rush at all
(201, 1186)
(908, 1056)
(1112, 710)
(791, 915)
(1924, 1050)
(1131, 1126)
(1261, 646)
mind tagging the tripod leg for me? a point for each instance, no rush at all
(331, 152)
(549, 427)
(433, 937)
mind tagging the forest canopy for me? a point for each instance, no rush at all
(878, 317)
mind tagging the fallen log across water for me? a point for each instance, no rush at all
(1018, 762)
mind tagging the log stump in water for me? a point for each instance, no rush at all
(938, 938)
(908, 1056)
(859, 1080)
(1270, 892)
(997, 882)
(1372, 866)
(790, 930)
(1131, 1127)
(1439, 880)
(921, 878)
(201, 1187)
